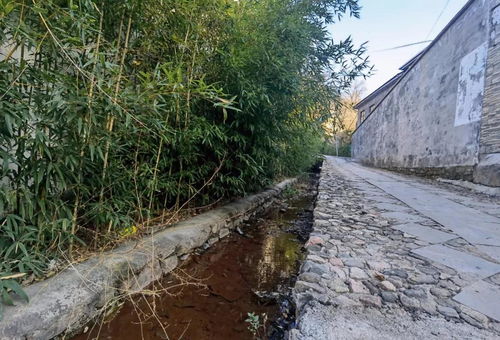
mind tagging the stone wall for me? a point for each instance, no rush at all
(431, 120)
(66, 302)
(488, 169)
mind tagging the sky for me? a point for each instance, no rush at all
(386, 24)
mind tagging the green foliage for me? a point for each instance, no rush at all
(113, 111)
(7, 286)
(256, 325)
(343, 150)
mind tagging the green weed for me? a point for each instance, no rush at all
(256, 325)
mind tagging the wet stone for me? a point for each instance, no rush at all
(302, 299)
(223, 232)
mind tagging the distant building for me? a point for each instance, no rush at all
(366, 106)
(440, 115)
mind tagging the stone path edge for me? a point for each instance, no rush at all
(68, 301)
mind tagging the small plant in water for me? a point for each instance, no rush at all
(256, 324)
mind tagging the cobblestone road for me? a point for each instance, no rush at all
(398, 257)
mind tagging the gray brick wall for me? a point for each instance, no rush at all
(490, 125)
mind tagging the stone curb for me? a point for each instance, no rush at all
(72, 298)
(482, 189)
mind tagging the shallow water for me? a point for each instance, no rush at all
(210, 295)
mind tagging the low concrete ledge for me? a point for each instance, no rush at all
(487, 172)
(66, 302)
(479, 188)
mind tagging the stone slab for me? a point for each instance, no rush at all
(482, 297)
(427, 234)
(392, 207)
(382, 198)
(402, 217)
(471, 224)
(493, 252)
(460, 261)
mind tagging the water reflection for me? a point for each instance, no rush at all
(266, 258)
(280, 253)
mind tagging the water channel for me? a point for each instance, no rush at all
(211, 294)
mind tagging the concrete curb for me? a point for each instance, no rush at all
(66, 302)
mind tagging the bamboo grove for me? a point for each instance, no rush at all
(112, 112)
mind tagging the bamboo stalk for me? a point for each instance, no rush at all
(155, 174)
(86, 138)
(136, 170)
(177, 199)
(111, 118)
(190, 80)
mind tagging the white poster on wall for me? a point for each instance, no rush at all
(471, 86)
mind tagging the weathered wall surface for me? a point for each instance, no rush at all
(488, 169)
(431, 121)
(373, 100)
(69, 300)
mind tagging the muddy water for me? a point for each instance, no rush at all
(210, 295)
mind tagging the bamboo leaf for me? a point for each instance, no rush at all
(16, 288)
